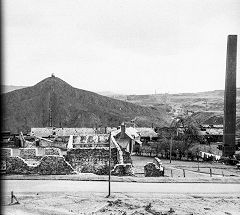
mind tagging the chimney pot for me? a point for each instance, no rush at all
(123, 129)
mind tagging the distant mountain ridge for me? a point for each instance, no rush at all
(71, 107)
(9, 88)
(202, 101)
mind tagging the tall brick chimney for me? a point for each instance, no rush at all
(229, 130)
(123, 129)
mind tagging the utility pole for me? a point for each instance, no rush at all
(171, 142)
(109, 173)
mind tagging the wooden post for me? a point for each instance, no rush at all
(171, 142)
(11, 197)
(222, 174)
(198, 161)
(184, 173)
(171, 173)
(109, 174)
(210, 172)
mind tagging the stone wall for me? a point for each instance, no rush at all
(152, 170)
(28, 153)
(126, 156)
(6, 152)
(54, 165)
(47, 144)
(50, 161)
(123, 170)
(15, 152)
(52, 151)
(30, 144)
(93, 160)
(48, 165)
(17, 165)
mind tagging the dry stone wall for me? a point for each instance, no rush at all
(48, 165)
(17, 165)
(52, 151)
(152, 170)
(28, 153)
(6, 152)
(123, 170)
(94, 160)
(126, 156)
(54, 165)
(50, 161)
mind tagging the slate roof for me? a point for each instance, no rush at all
(45, 132)
(146, 132)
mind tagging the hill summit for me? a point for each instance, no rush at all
(52, 99)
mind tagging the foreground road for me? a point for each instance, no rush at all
(21, 186)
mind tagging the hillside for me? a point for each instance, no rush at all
(71, 107)
(207, 106)
(203, 101)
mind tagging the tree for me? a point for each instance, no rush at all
(188, 135)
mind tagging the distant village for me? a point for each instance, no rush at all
(52, 150)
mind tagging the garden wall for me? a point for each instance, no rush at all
(48, 165)
(6, 152)
(52, 151)
(94, 160)
(51, 161)
(28, 153)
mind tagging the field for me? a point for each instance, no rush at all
(177, 168)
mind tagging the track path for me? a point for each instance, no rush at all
(21, 186)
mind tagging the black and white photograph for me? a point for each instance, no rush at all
(120, 107)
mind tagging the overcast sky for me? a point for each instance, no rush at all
(123, 46)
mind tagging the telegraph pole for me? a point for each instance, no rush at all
(109, 173)
(171, 142)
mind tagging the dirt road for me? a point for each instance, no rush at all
(116, 187)
(61, 197)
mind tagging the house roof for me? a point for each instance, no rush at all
(136, 132)
(212, 131)
(139, 142)
(45, 132)
(88, 139)
(146, 132)
(130, 131)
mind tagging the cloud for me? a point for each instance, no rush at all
(118, 45)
